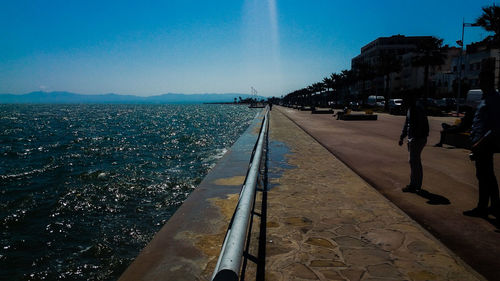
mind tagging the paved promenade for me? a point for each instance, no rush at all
(326, 223)
(370, 148)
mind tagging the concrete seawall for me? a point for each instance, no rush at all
(187, 247)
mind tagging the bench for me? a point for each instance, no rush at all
(322, 111)
(359, 116)
(305, 108)
(348, 116)
(460, 140)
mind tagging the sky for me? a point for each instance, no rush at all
(222, 46)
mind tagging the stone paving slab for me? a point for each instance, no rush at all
(325, 223)
(370, 149)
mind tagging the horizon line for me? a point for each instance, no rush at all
(121, 94)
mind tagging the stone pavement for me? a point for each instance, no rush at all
(370, 149)
(325, 223)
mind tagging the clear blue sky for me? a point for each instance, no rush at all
(223, 46)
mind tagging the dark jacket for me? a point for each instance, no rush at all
(416, 123)
(487, 117)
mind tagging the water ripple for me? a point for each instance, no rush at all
(84, 187)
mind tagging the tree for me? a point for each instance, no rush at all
(345, 80)
(336, 82)
(319, 98)
(490, 21)
(328, 83)
(429, 53)
(364, 72)
(387, 64)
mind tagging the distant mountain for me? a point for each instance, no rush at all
(170, 98)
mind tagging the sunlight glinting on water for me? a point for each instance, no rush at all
(85, 187)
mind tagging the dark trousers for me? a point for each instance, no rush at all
(415, 147)
(488, 186)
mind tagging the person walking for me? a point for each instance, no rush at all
(416, 128)
(485, 139)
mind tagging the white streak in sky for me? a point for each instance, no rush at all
(273, 19)
(261, 32)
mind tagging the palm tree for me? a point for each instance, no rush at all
(364, 72)
(335, 79)
(490, 21)
(319, 87)
(386, 65)
(343, 82)
(304, 96)
(329, 83)
(430, 53)
(347, 77)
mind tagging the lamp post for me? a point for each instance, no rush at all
(461, 43)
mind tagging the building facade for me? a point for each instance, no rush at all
(477, 55)
(440, 76)
(402, 48)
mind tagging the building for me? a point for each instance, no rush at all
(395, 45)
(441, 77)
(400, 46)
(477, 55)
(410, 77)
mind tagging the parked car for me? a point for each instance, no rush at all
(446, 104)
(474, 98)
(395, 102)
(430, 102)
(373, 100)
(441, 103)
(354, 105)
(336, 104)
(396, 106)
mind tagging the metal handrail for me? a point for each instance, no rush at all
(229, 263)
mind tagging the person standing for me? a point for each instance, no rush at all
(416, 128)
(485, 139)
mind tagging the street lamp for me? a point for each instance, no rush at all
(461, 43)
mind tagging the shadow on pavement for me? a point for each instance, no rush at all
(495, 222)
(434, 199)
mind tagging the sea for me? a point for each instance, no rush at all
(83, 188)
